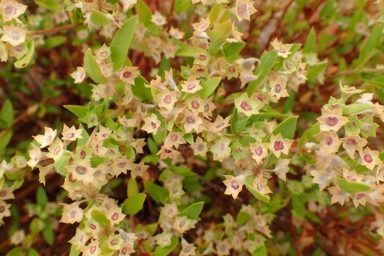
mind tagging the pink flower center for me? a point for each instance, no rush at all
(278, 145)
(259, 186)
(350, 178)
(195, 104)
(191, 87)
(115, 216)
(93, 249)
(368, 158)
(82, 154)
(352, 142)
(202, 57)
(153, 125)
(190, 119)
(242, 8)
(331, 120)
(235, 185)
(259, 151)
(81, 169)
(360, 196)
(9, 10)
(328, 140)
(104, 54)
(114, 242)
(167, 99)
(244, 105)
(277, 88)
(57, 150)
(127, 74)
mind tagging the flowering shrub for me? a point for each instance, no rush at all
(208, 128)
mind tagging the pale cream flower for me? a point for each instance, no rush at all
(244, 9)
(158, 19)
(78, 75)
(11, 9)
(47, 138)
(13, 35)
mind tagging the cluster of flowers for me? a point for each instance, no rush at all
(342, 155)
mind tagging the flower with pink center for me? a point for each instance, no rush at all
(279, 145)
(192, 121)
(166, 99)
(244, 9)
(11, 9)
(260, 185)
(329, 141)
(128, 74)
(246, 105)
(151, 124)
(352, 143)
(370, 158)
(278, 89)
(332, 119)
(192, 85)
(234, 185)
(199, 147)
(259, 151)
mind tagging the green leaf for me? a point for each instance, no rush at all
(93, 69)
(60, 165)
(140, 91)
(133, 204)
(242, 218)
(370, 45)
(316, 70)
(193, 211)
(85, 137)
(48, 233)
(153, 147)
(231, 49)
(24, 61)
(74, 251)
(79, 111)
(219, 34)
(144, 13)
(374, 78)
(249, 185)
(17, 251)
(41, 196)
(49, 4)
(355, 108)
(186, 50)
(352, 187)
(157, 193)
(54, 41)
(100, 218)
(168, 249)
(182, 5)
(287, 127)
(298, 206)
(267, 61)
(6, 114)
(121, 41)
(183, 170)
(209, 86)
(219, 13)
(5, 138)
(32, 252)
(99, 19)
(132, 188)
(308, 134)
(261, 251)
(310, 44)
